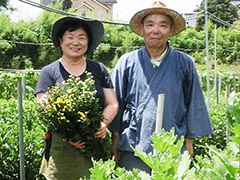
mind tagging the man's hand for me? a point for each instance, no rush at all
(116, 153)
(189, 146)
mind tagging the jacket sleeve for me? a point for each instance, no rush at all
(119, 79)
(198, 120)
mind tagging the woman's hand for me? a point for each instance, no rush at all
(102, 131)
(109, 112)
(79, 144)
(42, 98)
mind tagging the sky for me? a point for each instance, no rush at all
(123, 10)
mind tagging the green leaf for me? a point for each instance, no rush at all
(102, 169)
(230, 168)
(184, 164)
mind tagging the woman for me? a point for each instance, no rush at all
(75, 37)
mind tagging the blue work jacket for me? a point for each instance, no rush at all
(137, 85)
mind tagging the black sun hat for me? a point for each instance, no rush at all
(94, 26)
(159, 8)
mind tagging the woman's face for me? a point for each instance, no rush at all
(74, 44)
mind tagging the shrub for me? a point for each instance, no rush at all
(217, 113)
(233, 109)
(9, 135)
(8, 84)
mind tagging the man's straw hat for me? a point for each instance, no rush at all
(159, 8)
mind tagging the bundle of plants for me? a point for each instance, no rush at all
(73, 110)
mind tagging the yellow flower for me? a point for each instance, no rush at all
(54, 107)
(82, 115)
(62, 117)
(59, 100)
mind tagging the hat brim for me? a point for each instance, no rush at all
(178, 20)
(96, 31)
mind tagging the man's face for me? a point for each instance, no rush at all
(156, 29)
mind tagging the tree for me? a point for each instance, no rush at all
(3, 4)
(218, 9)
(66, 4)
(14, 54)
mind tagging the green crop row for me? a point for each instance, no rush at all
(9, 89)
(222, 118)
(9, 137)
(168, 164)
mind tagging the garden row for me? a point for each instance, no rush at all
(8, 82)
(222, 164)
(216, 159)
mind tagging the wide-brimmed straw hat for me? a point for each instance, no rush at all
(159, 8)
(94, 26)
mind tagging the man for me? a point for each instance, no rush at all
(141, 75)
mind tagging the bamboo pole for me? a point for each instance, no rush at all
(23, 86)
(207, 53)
(159, 117)
(227, 124)
(219, 86)
(20, 116)
(215, 58)
(234, 83)
(217, 95)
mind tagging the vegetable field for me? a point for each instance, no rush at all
(216, 157)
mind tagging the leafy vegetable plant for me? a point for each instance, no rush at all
(170, 164)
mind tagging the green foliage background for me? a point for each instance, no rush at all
(8, 84)
(222, 9)
(28, 44)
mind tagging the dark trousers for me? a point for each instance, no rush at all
(129, 161)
